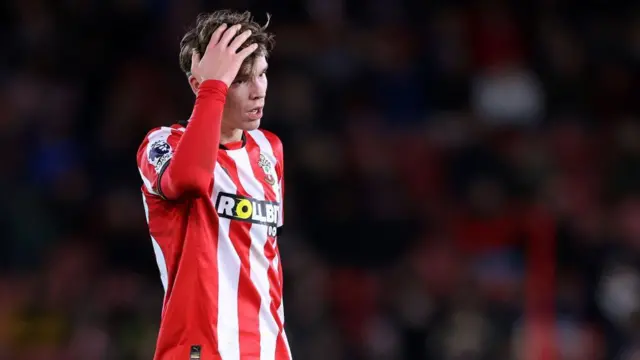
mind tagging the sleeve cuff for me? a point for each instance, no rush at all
(159, 180)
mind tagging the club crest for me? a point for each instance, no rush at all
(266, 166)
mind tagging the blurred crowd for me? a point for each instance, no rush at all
(454, 169)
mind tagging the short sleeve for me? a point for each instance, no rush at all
(154, 155)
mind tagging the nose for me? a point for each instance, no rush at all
(258, 90)
(257, 96)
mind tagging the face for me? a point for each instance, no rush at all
(246, 97)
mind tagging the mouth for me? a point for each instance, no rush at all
(255, 113)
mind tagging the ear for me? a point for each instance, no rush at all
(193, 82)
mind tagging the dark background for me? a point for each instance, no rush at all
(457, 171)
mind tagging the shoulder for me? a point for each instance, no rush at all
(163, 133)
(274, 141)
(159, 141)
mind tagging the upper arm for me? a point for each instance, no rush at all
(154, 155)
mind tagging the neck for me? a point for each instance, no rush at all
(230, 135)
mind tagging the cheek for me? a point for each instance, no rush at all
(233, 102)
(233, 110)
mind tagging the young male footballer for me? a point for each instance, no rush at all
(213, 191)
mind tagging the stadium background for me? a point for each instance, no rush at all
(463, 177)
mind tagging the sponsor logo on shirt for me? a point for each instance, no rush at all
(159, 153)
(240, 208)
(195, 352)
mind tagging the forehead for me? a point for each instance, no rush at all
(260, 63)
(254, 66)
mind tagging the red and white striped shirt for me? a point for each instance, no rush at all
(217, 249)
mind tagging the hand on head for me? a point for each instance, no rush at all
(222, 60)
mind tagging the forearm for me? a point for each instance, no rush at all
(191, 168)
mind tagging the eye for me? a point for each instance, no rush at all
(264, 73)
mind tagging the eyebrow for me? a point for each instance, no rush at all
(244, 76)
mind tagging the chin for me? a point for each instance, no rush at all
(251, 125)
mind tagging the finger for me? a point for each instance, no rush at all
(217, 34)
(229, 34)
(244, 53)
(195, 59)
(239, 40)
